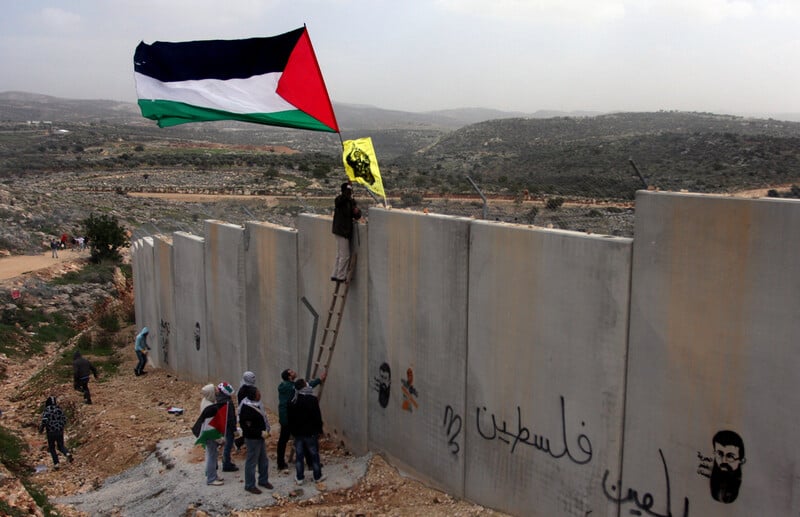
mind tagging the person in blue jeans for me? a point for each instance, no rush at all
(224, 393)
(305, 422)
(253, 419)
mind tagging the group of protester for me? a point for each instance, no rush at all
(66, 241)
(299, 417)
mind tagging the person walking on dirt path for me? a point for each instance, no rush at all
(286, 393)
(53, 248)
(82, 371)
(141, 347)
(255, 428)
(54, 420)
(224, 394)
(345, 212)
(305, 421)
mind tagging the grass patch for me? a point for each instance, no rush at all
(89, 274)
(12, 448)
(25, 331)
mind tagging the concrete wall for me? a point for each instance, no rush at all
(418, 273)
(271, 305)
(552, 373)
(548, 318)
(225, 301)
(344, 397)
(191, 342)
(715, 318)
(161, 339)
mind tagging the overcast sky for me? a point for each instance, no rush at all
(724, 56)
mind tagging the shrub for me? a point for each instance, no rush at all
(554, 203)
(106, 237)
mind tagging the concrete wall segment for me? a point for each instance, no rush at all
(548, 320)
(161, 339)
(344, 398)
(191, 335)
(225, 300)
(713, 347)
(271, 305)
(418, 275)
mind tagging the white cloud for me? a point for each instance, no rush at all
(540, 11)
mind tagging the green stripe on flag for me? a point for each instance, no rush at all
(169, 113)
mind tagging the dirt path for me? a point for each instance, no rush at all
(16, 265)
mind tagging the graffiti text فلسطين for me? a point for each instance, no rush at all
(523, 435)
(647, 501)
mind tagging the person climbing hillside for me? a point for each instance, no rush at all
(54, 421)
(82, 372)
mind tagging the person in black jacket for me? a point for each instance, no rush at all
(305, 421)
(345, 212)
(255, 426)
(53, 420)
(82, 371)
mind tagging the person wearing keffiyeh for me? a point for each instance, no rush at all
(54, 420)
(255, 426)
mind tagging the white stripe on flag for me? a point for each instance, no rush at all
(252, 95)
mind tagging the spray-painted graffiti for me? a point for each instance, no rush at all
(644, 504)
(452, 425)
(409, 392)
(197, 335)
(522, 435)
(163, 337)
(383, 384)
(724, 468)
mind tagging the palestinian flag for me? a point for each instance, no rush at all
(211, 424)
(274, 81)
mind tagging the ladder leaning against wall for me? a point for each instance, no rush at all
(322, 359)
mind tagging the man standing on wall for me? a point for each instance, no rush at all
(286, 393)
(345, 212)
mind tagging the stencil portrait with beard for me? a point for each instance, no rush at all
(726, 474)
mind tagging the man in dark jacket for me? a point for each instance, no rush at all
(345, 212)
(82, 371)
(53, 420)
(305, 421)
(286, 393)
(255, 426)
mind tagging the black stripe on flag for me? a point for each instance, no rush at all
(215, 59)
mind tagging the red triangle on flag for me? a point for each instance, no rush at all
(302, 84)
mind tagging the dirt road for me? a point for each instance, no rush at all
(16, 265)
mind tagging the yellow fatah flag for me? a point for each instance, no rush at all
(361, 164)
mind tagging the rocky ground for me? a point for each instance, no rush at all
(128, 436)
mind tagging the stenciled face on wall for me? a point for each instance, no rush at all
(726, 473)
(383, 384)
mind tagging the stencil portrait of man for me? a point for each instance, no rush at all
(726, 473)
(383, 384)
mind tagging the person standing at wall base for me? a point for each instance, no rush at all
(141, 347)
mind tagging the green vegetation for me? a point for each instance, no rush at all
(25, 330)
(93, 273)
(106, 237)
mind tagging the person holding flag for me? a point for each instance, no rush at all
(209, 429)
(345, 212)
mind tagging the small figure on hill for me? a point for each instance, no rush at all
(345, 212)
(286, 393)
(141, 347)
(54, 248)
(82, 371)
(255, 428)
(54, 421)
(305, 421)
(224, 394)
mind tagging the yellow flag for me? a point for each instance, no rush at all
(361, 164)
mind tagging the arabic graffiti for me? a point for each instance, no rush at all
(164, 338)
(522, 435)
(645, 504)
(452, 424)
